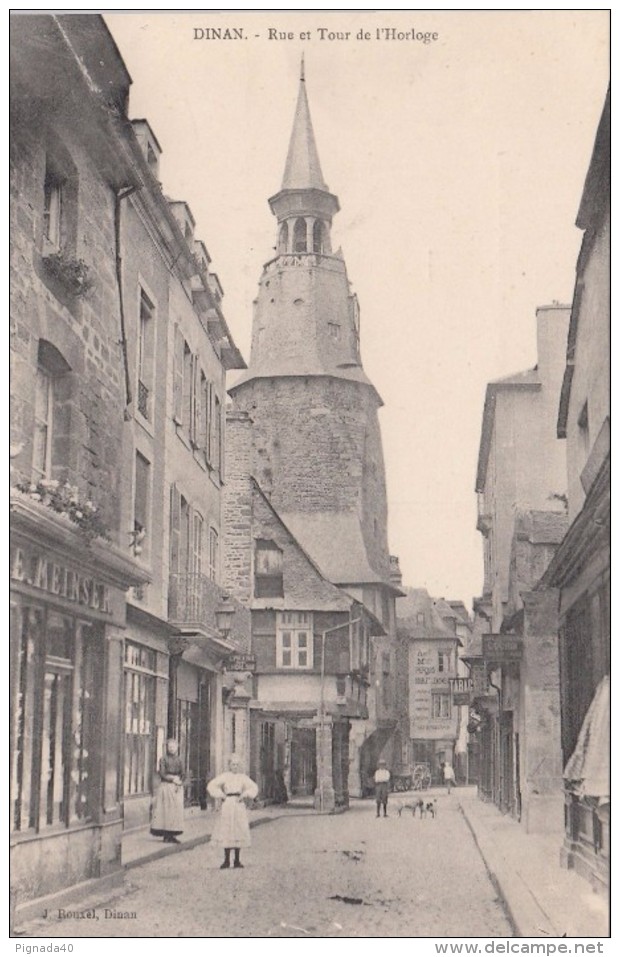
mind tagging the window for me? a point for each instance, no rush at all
(443, 661)
(294, 640)
(186, 407)
(54, 718)
(214, 555)
(139, 718)
(268, 580)
(441, 705)
(43, 424)
(317, 236)
(300, 242)
(146, 333)
(198, 525)
(141, 519)
(334, 330)
(52, 209)
(205, 414)
(216, 445)
(420, 618)
(184, 536)
(50, 368)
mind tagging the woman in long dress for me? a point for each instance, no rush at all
(232, 828)
(167, 819)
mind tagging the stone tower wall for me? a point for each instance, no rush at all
(302, 314)
(317, 447)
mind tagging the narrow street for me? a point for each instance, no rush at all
(347, 875)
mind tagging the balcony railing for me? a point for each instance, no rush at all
(192, 599)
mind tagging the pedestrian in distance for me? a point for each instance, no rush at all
(382, 787)
(232, 828)
(448, 776)
(167, 820)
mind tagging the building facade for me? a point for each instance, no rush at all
(316, 443)
(119, 352)
(521, 486)
(71, 565)
(579, 574)
(431, 646)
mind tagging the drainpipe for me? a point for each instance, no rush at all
(119, 197)
(497, 745)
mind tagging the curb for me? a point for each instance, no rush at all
(517, 905)
(492, 876)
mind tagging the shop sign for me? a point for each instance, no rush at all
(461, 697)
(241, 662)
(479, 678)
(460, 685)
(53, 578)
(502, 648)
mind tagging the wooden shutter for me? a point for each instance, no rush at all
(175, 529)
(203, 413)
(179, 345)
(209, 422)
(195, 428)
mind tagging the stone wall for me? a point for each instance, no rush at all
(88, 423)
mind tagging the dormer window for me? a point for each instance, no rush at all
(151, 150)
(151, 158)
(268, 576)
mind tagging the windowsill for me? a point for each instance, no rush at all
(214, 475)
(146, 424)
(183, 438)
(200, 460)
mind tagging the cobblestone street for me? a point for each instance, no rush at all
(348, 875)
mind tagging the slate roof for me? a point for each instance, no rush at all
(303, 168)
(417, 601)
(336, 543)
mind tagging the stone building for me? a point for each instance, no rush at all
(521, 486)
(119, 354)
(315, 440)
(71, 565)
(178, 350)
(579, 573)
(431, 646)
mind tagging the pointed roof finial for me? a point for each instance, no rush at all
(302, 72)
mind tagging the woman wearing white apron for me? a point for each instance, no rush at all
(232, 828)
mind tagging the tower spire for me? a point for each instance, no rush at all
(303, 168)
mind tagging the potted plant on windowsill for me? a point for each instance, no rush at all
(73, 274)
(63, 498)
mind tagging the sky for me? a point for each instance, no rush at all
(459, 165)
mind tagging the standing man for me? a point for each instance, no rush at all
(382, 787)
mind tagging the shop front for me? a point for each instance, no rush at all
(67, 624)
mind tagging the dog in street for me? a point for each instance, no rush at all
(420, 807)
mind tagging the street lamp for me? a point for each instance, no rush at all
(224, 615)
(328, 631)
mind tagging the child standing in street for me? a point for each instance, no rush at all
(382, 787)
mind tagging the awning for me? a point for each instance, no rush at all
(588, 768)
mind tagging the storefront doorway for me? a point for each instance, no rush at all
(303, 762)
